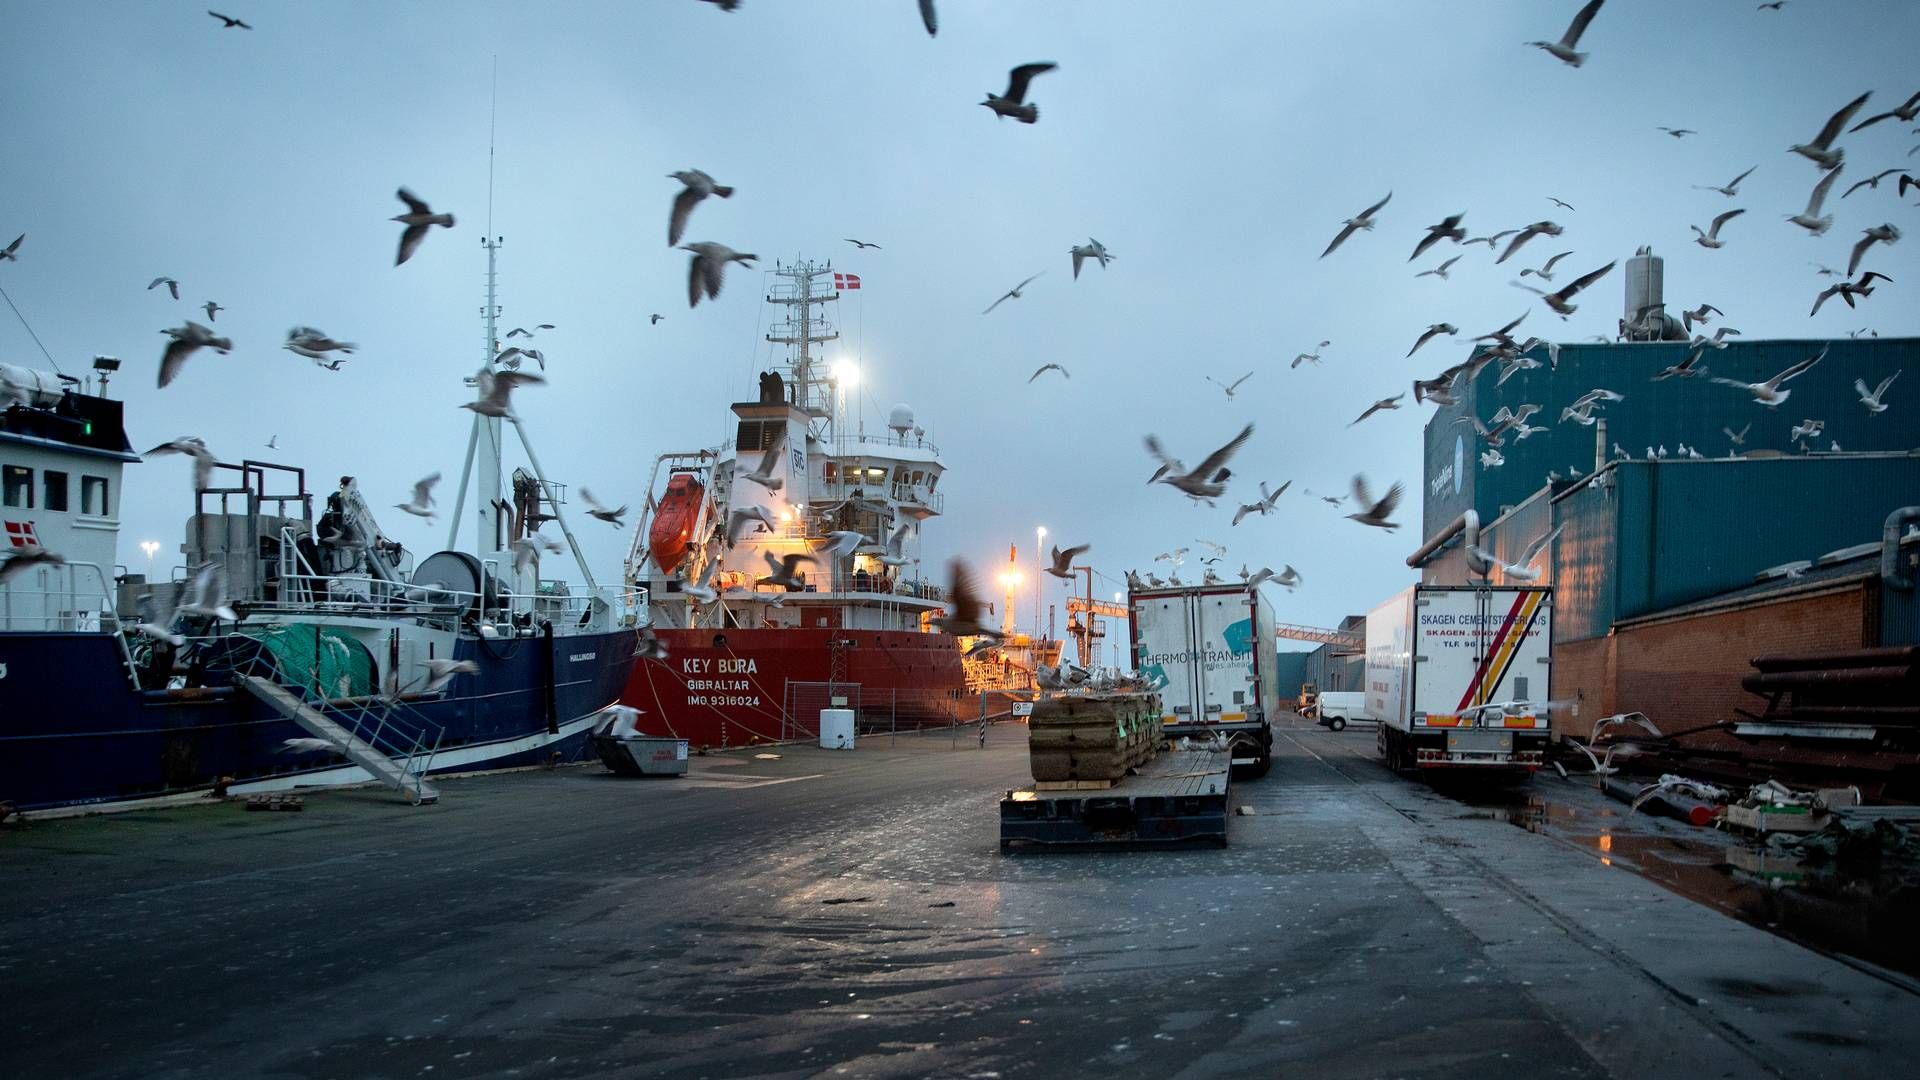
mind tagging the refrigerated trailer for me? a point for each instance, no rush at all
(1458, 677)
(1209, 650)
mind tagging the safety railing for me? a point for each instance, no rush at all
(394, 729)
(349, 594)
(73, 597)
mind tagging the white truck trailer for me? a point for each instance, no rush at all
(1209, 649)
(1458, 677)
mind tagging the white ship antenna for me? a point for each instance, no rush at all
(488, 538)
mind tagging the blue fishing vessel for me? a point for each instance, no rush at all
(297, 648)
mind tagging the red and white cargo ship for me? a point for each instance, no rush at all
(749, 662)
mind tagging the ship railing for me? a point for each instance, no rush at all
(823, 490)
(351, 594)
(384, 722)
(74, 597)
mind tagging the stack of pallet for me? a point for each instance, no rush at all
(1091, 741)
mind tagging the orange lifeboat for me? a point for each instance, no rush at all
(673, 522)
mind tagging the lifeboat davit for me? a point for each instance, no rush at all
(673, 522)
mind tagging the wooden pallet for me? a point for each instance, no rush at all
(1072, 785)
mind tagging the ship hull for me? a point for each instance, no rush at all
(74, 731)
(739, 687)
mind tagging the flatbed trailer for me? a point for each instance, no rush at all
(1180, 797)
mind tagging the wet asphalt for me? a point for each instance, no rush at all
(850, 914)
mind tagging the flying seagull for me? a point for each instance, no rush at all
(1431, 332)
(654, 319)
(1363, 221)
(206, 595)
(697, 185)
(1449, 228)
(194, 447)
(1888, 233)
(708, 266)
(1439, 271)
(1558, 301)
(1521, 570)
(1062, 560)
(1376, 513)
(228, 22)
(1731, 189)
(10, 252)
(1207, 482)
(210, 307)
(740, 517)
(931, 19)
(1698, 315)
(1538, 228)
(1821, 150)
(1545, 272)
(1711, 237)
(783, 571)
(1847, 290)
(1561, 204)
(1562, 50)
(1044, 368)
(1739, 439)
(422, 503)
(770, 455)
(1874, 181)
(1092, 249)
(172, 285)
(1810, 219)
(1309, 357)
(1768, 393)
(1905, 113)
(597, 511)
(1872, 400)
(186, 340)
(1232, 388)
(861, 244)
(1011, 294)
(1384, 403)
(496, 391)
(964, 621)
(843, 542)
(418, 218)
(1678, 133)
(314, 344)
(20, 560)
(1013, 102)
(1263, 505)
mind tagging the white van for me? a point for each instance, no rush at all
(1336, 709)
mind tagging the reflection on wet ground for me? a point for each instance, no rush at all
(1870, 918)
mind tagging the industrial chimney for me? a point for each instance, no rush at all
(1646, 317)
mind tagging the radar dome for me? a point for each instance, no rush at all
(901, 419)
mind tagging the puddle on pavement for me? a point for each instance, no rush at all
(1871, 917)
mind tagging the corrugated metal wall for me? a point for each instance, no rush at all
(1331, 672)
(1291, 668)
(1693, 411)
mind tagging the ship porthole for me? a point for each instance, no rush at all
(719, 641)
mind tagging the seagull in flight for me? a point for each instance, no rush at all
(1847, 290)
(1384, 403)
(1731, 189)
(1562, 50)
(784, 571)
(10, 252)
(1439, 271)
(1562, 205)
(1011, 294)
(861, 244)
(1873, 400)
(496, 392)
(1522, 570)
(1711, 237)
(1376, 513)
(1432, 332)
(418, 218)
(1309, 357)
(1558, 301)
(1874, 181)
(422, 504)
(1449, 228)
(194, 447)
(1545, 273)
(1232, 388)
(1363, 221)
(1208, 481)
(1888, 233)
(1905, 113)
(1044, 368)
(695, 186)
(1810, 218)
(1014, 102)
(1092, 249)
(1263, 505)
(186, 340)
(1769, 393)
(770, 455)
(1678, 133)
(964, 621)
(601, 513)
(1062, 560)
(740, 517)
(228, 22)
(172, 285)
(708, 267)
(1538, 228)
(1698, 315)
(1821, 150)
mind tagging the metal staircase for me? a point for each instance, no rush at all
(388, 740)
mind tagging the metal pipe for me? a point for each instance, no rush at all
(1896, 523)
(1468, 522)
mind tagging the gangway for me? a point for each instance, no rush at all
(370, 733)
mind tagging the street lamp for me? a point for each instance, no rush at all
(150, 546)
(1039, 557)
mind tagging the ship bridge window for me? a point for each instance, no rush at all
(93, 496)
(16, 486)
(876, 473)
(932, 479)
(53, 490)
(918, 476)
(827, 472)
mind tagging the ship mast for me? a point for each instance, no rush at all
(804, 328)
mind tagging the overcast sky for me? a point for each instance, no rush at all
(1214, 147)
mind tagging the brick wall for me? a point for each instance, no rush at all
(1583, 675)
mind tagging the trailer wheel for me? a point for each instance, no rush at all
(1337, 723)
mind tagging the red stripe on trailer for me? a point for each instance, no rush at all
(1486, 662)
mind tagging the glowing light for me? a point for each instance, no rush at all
(1606, 841)
(150, 547)
(785, 516)
(846, 372)
(1010, 578)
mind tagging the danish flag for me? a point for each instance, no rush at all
(846, 281)
(20, 534)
